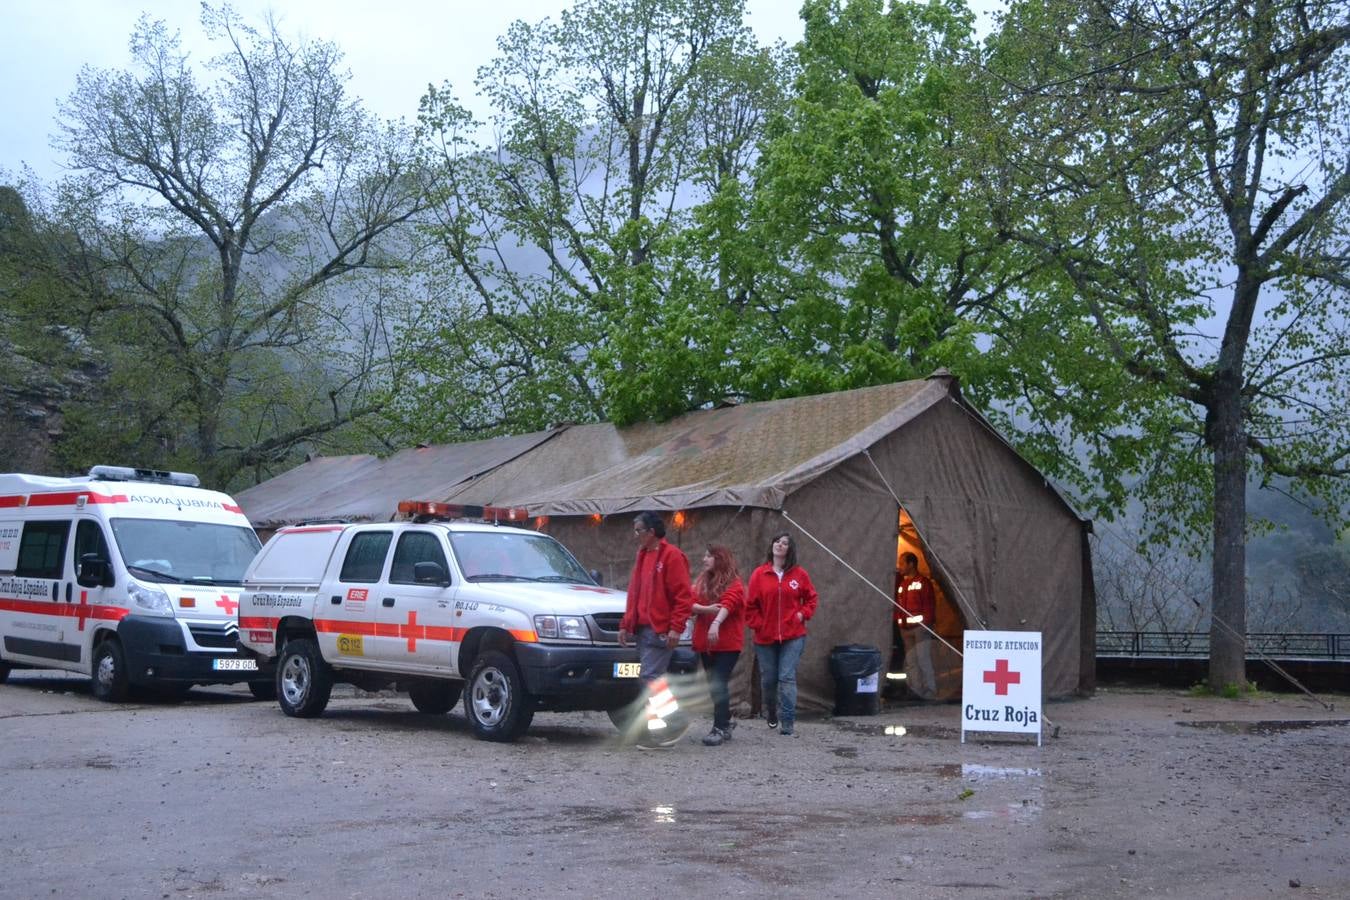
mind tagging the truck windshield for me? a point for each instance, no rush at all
(507, 556)
(185, 552)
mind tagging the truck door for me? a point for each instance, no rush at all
(87, 605)
(419, 611)
(345, 615)
(36, 629)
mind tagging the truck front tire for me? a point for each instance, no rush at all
(496, 703)
(109, 671)
(304, 681)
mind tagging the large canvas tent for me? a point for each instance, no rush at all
(856, 477)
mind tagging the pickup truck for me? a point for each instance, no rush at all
(504, 616)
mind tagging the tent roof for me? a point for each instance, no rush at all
(364, 488)
(755, 454)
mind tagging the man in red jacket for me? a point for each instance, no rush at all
(914, 616)
(659, 604)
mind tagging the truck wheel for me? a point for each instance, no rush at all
(304, 681)
(434, 697)
(263, 690)
(496, 704)
(109, 671)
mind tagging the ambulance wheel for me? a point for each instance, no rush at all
(434, 697)
(496, 703)
(263, 690)
(304, 681)
(109, 671)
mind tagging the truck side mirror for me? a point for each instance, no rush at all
(430, 573)
(93, 571)
(595, 576)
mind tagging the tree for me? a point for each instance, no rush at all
(230, 214)
(1186, 168)
(570, 288)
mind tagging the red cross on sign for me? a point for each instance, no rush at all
(84, 612)
(227, 604)
(1000, 677)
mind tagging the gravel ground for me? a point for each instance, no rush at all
(1143, 792)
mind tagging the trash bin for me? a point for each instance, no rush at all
(857, 672)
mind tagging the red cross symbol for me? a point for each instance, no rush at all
(586, 587)
(412, 632)
(1001, 677)
(227, 604)
(84, 612)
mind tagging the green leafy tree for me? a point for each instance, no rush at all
(569, 286)
(242, 222)
(1185, 168)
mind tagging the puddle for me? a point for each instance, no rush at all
(939, 732)
(845, 752)
(1268, 726)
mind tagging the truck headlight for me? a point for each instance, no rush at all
(151, 601)
(571, 628)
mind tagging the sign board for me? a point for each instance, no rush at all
(1001, 682)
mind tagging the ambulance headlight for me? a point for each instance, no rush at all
(572, 628)
(148, 600)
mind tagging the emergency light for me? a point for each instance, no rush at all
(425, 510)
(126, 473)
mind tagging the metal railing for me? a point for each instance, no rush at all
(1196, 643)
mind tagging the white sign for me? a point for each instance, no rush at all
(1001, 682)
(868, 685)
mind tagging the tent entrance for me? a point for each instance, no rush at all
(904, 676)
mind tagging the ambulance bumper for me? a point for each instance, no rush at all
(571, 678)
(156, 652)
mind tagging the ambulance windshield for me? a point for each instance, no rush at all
(511, 556)
(185, 552)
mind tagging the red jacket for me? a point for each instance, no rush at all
(731, 633)
(772, 604)
(916, 595)
(658, 591)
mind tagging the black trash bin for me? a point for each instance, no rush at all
(857, 679)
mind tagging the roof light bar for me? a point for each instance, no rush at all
(126, 473)
(425, 510)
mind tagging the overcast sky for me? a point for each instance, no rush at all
(394, 48)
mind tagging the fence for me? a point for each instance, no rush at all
(1196, 643)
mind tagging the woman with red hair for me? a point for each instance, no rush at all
(719, 632)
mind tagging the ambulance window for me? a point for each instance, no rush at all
(89, 539)
(42, 550)
(415, 547)
(365, 556)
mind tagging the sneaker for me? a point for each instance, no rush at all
(714, 738)
(726, 732)
(786, 730)
(773, 718)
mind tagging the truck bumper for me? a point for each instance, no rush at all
(572, 678)
(156, 653)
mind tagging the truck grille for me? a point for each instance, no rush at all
(608, 621)
(216, 636)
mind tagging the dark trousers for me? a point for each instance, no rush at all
(718, 666)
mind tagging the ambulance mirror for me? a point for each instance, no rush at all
(595, 576)
(430, 573)
(93, 571)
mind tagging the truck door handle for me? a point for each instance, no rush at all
(388, 601)
(55, 587)
(67, 591)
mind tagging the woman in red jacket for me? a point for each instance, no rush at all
(779, 602)
(719, 632)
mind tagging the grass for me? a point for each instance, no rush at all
(1229, 691)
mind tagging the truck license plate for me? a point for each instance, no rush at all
(234, 665)
(627, 670)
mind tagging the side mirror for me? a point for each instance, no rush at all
(595, 576)
(93, 571)
(430, 573)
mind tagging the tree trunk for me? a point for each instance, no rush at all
(1228, 618)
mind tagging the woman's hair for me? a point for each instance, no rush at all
(653, 521)
(791, 559)
(713, 582)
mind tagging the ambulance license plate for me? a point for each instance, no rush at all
(234, 665)
(627, 670)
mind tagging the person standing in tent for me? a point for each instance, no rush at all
(915, 616)
(659, 604)
(779, 603)
(719, 632)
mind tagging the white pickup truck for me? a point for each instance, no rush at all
(431, 606)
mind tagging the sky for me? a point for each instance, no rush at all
(394, 49)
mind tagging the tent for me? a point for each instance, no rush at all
(857, 477)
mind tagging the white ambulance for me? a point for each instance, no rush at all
(130, 575)
(437, 607)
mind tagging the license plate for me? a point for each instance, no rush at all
(627, 670)
(234, 665)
